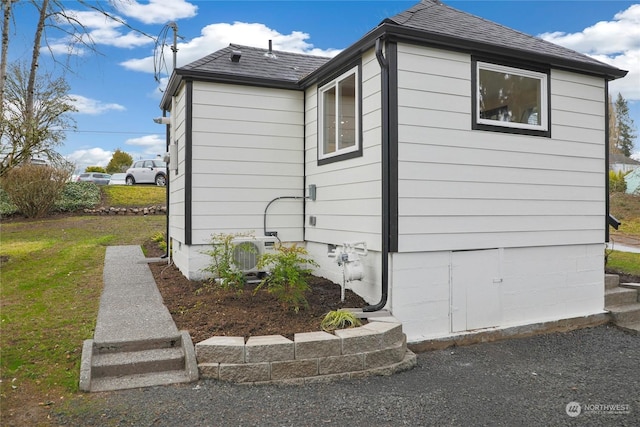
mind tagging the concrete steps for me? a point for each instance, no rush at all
(620, 296)
(130, 364)
(136, 342)
(140, 380)
(625, 313)
(622, 302)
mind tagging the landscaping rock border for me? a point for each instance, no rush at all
(377, 348)
(150, 210)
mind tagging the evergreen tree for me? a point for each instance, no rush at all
(625, 127)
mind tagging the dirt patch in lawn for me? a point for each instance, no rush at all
(206, 310)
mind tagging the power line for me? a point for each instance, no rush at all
(111, 132)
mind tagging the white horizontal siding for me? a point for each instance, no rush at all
(205, 151)
(212, 127)
(514, 143)
(246, 223)
(248, 149)
(471, 173)
(463, 189)
(498, 191)
(466, 240)
(176, 188)
(496, 223)
(258, 167)
(474, 155)
(348, 204)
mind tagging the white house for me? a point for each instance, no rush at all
(622, 163)
(471, 159)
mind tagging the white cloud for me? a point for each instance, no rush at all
(157, 11)
(89, 157)
(99, 30)
(151, 145)
(93, 106)
(629, 86)
(615, 42)
(217, 36)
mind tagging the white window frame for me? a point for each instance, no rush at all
(321, 110)
(544, 100)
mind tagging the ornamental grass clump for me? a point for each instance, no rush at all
(339, 319)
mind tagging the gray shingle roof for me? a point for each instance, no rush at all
(258, 64)
(432, 16)
(429, 21)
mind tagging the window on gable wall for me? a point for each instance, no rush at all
(511, 99)
(339, 118)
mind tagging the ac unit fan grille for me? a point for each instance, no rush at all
(246, 255)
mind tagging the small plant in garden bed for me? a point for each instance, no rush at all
(288, 276)
(159, 239)
(224, 267)
(339, 319)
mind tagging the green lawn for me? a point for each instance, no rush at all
(134, 195)
(624, 262)
(51, 279)
(626, 208)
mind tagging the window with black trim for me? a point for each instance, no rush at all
(339, 117)
(509, 99)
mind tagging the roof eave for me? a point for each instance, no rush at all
(365, 43)
(397, 32)
(180, 74)
(437, 39)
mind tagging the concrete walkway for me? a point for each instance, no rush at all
(625, 248)
(131, 307)
(136, 342)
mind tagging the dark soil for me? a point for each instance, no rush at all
(205, 310)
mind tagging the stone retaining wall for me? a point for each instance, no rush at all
(377, 348)
(150, 210)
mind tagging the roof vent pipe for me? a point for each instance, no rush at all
(270, 53)
(235, 56)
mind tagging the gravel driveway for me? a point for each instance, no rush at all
(528, 381)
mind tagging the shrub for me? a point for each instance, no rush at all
(6, 207)
(287, 278)
(339, 319)
(617, 184)
(159, 239)
(34, 188)
(78, 195)
(98, 169)
(224, 268)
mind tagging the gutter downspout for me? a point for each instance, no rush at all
(386, 139)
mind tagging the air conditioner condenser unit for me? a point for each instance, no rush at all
(247, 253)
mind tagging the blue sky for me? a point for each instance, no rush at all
(117, 96)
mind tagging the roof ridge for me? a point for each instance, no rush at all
(410, 18)
(306, 55)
